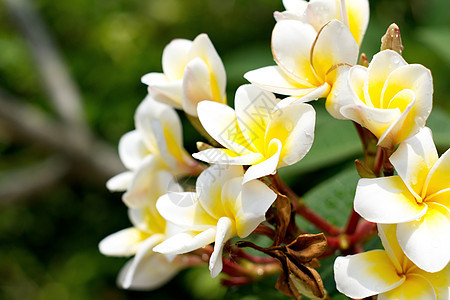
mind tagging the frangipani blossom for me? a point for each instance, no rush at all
(388, 274)
(257, 133)
(158, 134)
(319, 12)
(221, 207)
(147, 270)
(308, 62)
(418, 200)
(192, 72)
(390, 98)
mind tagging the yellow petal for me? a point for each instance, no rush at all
(366, 274)
(439, 176)
(413, 160)
(358, 17)
(333, 46)
(415, 287)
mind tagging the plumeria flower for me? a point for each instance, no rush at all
(353, 13)
(418, 200)
(308, 61)
(389, 274)
(158, 134)
(221, 207)
(192, 72)
(147, 270)
(257, 133)
(390, 98)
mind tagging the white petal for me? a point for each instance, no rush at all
(426, 242)
(124, 242)
(197, 86)
(120, 182)
(414, 287)
(386, 200)
(381, 66)
(296, 5)
(210, 184)
(312, 94)
(254, 110)
(184, 210)
(219, 120)
(388, 236)
(365, 274)
(147, 270)
(145, 184)
(224, 233)
(413, 160)
(334, 45)
(405, 126)
(319, 12)
(186, 242)
(256, 200)
(358, 17)
(132, 149)
(202, 47)
(163, 90)
(175, 58)
(341, 93)
(439, 176)
(439, 281)
(268, 166)
(148, 110)
(274, 79)
(375, 119)
(291, 47)
(294, 127)
(227, 157)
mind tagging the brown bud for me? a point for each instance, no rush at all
(363, 61)
(203, 146)
(392, 39)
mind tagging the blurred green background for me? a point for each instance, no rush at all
(49, 235)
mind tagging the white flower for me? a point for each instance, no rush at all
(388, 274)
(158, 134)
(192, 72)
(146, 270)
(390, 98)
(417, 200)
(308, 62)
(353, 13)
(257, 133)
(221, 208)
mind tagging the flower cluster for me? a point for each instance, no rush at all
(315, 45)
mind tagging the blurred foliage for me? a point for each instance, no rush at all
(49, 243)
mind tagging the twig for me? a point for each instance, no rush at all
(20, 183)
(56, 79)
(90, 155)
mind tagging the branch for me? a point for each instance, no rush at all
(83, 150)
(56, 79)
(25, 182)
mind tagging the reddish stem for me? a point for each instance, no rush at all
(317, 220)
(265, 230)
(236, 281)
(255, 259)
(364, 231)
(352, 222)
(301, 209)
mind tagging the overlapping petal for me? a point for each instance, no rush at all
(390, 98)
(260, 133)
(358, 276)
(193, 72)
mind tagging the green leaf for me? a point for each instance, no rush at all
(439, 123)
(333, 198)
